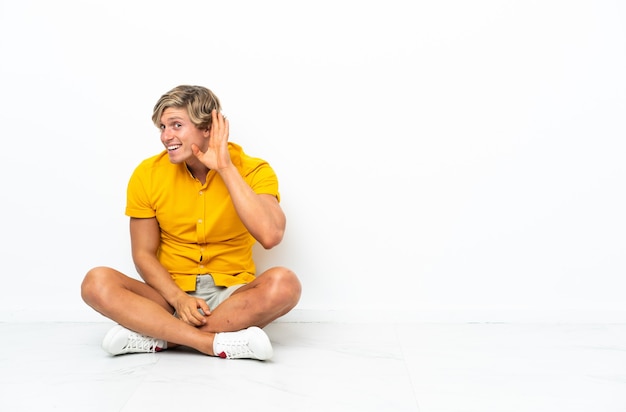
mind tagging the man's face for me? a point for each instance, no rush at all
(178, 133)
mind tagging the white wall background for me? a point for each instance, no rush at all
(439, 160)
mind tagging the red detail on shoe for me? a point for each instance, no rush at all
(222, 355)
(157, 349)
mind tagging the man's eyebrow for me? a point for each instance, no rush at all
(173, 119)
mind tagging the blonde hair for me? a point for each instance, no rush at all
(199, 102)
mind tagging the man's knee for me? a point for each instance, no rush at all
(94, 283)
(285, 284)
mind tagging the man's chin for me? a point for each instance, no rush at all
(175, 158)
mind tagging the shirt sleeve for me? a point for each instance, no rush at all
(262, 179)
(138, 202)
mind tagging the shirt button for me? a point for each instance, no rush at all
(199, 220)
(201, 193)
(201, 266)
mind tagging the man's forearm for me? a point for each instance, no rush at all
(155, 275)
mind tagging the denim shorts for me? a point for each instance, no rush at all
(213, 295)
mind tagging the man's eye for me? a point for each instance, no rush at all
(177, 125)
(162, 127)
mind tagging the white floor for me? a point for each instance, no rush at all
(325, 367)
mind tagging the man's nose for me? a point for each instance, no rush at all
(166, 135)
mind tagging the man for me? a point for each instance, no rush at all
(196, 210)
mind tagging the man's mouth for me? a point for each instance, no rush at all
(173, 147)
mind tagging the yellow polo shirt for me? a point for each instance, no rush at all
(200, 230)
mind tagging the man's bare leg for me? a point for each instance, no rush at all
(270, 296)
(140, 308)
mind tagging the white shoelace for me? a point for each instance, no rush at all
(137, 342)
(234, 348)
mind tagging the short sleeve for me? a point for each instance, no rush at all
(138, 203)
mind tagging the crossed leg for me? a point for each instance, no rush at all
(138, 307)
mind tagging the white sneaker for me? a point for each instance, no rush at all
(250, 343)
(120, 340)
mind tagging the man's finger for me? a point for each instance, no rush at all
(205, 308)
(196, 150)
